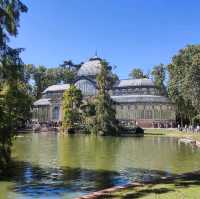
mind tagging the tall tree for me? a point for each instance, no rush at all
(105, 113)
(88, 115)
(72, 100)
(137, 73)
(15, 101)
(159, 74)
(12, 87)
(183, 82)
(39, 76)
(194, 82)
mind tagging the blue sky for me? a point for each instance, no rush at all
(128, 33)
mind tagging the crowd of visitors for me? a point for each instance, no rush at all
(46, 126)
(189, 128)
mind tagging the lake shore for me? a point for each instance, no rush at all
(184, 137)
(180, 186)
(171, 133)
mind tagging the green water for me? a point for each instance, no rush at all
(63, 167)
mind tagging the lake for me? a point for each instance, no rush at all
(54, 166)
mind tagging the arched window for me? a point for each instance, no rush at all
(56, 113)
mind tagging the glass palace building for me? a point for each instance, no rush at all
(137, 101)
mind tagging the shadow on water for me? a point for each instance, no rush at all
(33, 181)
(185, 181)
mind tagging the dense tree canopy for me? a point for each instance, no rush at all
(88, 115)
(72, 100)
(159, 75)
(41, 77)
(14, 98)
(137, 73)
(184, 82)
(105, 112)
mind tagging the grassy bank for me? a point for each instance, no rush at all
(188, 189)
(172, 133)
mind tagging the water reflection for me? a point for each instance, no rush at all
(53, 166)
(33, 181)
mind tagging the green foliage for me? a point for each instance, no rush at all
(159, 74)
(43, 77)
(5, 127)
(137, 73)
(106, 123)
(10, 12)
(184, 82)
(194, 81)
(14, 98)
(72, 100)
(15, 101)
(88, 115)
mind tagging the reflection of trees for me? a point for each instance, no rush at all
(160, 153)
(107, 153)
(89, 152)
(186, 158)
(81, 163)
(34, 181)
(39, 149)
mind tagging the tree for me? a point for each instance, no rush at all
(72, 100)
(194, 82)
(42, 77)
(10, 12)
(15, 101)
(12, 87)
(137, 73)
(159, 74)
(39, 76)
(183, 88)
(106, 123)
(88, 115)
(67, 76)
